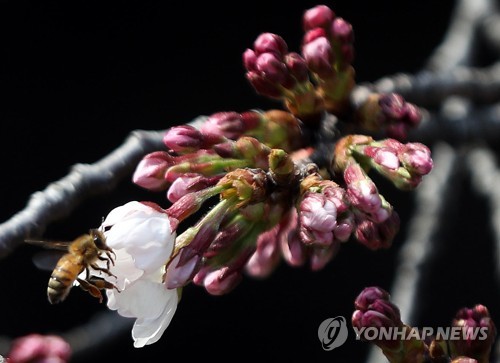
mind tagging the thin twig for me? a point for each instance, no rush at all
(63, 196)
(84, 180)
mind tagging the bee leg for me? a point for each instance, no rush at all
(110, 255)
(109, 252)
(90, 288)
(107, 259)
(105, 270)
(100, 283)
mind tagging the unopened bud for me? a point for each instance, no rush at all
(377, 235)
(479, 333)
(223, 124)
(320, 16)
(270, 43)
(266, 256)
(183, 139)
(150, 172)
(319, 57)
(221, 281)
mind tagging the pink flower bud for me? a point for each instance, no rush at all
(150, 172)
(262, 85)
(318, 219)
(368, 296)
(413, 115)
(273, 69)
(393, 106)
(179, 273)
(361, 190)
(384, 156)
(36, 348)
(473, 322)
(251, 119)
(377, 235)
(313, 34)
(416, 158)
(344, 228)
(319, 16)
(183, 139)
(223, 124)
(250, 60)
(297, 67)
(181, 269)
(336, 194)
(267, 255)
(342, 31)
(292, 248)
(189, 183)
(270, 43)
(221, 281)
(373, 309)
(319, 57)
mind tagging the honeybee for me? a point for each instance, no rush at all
(81, 253)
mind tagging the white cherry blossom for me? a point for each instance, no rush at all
(142, 239)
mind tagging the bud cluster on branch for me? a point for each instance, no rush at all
(471, 341)
(250, 180)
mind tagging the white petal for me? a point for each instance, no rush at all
(124, 270)
(126, 211)
(113, 304)
(157, 244)
(142, 299)
(149, 331)
(149, 240)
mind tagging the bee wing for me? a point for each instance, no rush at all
(47, 260)
(51, 245)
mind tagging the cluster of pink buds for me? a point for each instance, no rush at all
(328, 49)
(274, 201)
(195, 159)
(276, 73)
(377, 319)
(320, 78)
(272, 204)
(265, 186)
(403, 164)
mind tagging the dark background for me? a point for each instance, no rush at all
(76, 79)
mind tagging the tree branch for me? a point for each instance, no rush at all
(62, 196)
(428, 89)
(457, 47)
